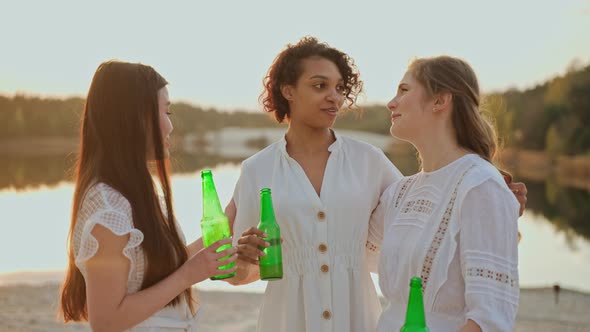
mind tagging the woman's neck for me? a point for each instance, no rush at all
(307, 140)
(438, 151)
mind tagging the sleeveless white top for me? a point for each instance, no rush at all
(105, 206)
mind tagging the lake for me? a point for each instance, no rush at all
(35, 199)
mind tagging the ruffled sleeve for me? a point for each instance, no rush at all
(489, 255)
(389, 177)
(104, 206)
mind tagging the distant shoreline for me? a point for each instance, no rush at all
(38, 146)
(569, 171)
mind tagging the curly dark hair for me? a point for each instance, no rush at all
(286, 70)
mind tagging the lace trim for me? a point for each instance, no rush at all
(440, 234)
(488, 274)
(421, 206)
(403, 190)
(480, 258)
(371, 247)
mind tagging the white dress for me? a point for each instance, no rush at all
(105, 206)
(456, 228)
(326, 283)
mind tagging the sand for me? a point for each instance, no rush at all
(33, 308)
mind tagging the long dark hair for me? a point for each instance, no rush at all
(121, 110)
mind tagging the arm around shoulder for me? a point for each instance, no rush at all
(243, 213)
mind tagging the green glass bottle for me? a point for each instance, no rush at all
(415, 318)
(271, 265)
(214, 223)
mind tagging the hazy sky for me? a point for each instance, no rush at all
(215, 53)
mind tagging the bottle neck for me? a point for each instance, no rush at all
(415, 314)
(267, 214)
(211, 205)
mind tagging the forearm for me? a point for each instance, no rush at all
(470, 326)
(245, 274)
(137, 307)
(193, 248)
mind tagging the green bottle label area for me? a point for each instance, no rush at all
(273, 242)
(271, 265)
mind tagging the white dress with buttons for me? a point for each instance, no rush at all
(326, 283)
(105, 206)
(456, 228)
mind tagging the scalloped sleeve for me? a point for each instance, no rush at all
(107, 207)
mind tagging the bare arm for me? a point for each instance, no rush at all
(470, 326)
(248, 251)
(230, 212)
(110, 308)
(195, 247)
(245, 274)
(248, 270)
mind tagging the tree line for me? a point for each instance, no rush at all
(552, 117)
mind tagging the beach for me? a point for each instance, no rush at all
(25, 308)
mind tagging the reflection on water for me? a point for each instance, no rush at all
(36, 192)
(566, 208)
(22, 172)
(31, 172)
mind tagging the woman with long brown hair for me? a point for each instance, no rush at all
(129, 267)
(454, 223)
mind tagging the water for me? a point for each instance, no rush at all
(36, 206)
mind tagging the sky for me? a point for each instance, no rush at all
(216, 53)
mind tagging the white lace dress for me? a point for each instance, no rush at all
(456, 228)
(326, 283)
(105, 206)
